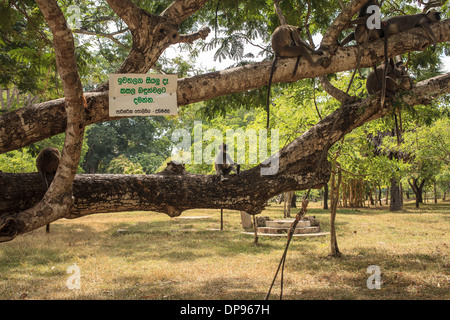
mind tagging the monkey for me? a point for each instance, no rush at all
(286, 43)
(47, 162)
(403, 23)
(394, 71)
(362, 33)
(224, 164)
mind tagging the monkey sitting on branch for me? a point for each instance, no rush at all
(394, 72)
(47, 162)
(224, 164)
(286, 43)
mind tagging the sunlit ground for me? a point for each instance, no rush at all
(157, 257)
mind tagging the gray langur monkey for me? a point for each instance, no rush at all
(362, 34)
(403, 23)
(224, 164)
(395, 71)
(47, 162)
(286, 43)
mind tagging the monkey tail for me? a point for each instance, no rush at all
(383, 86)
(268, 90)
(44, 178)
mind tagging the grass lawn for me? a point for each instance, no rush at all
(179, 258)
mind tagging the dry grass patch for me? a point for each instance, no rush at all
(157, 257)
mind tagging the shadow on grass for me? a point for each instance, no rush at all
(37, 248)
(177, 246)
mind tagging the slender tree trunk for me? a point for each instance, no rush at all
(371, 199)
(294, 200)
(287, 204)
(387, 195)
(325, 197)
(435, 191)
(418, 189)
(334, 202)
(379, 194)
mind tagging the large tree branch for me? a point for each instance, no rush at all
(330, 38)
(110, 36)
(152, 34)
(172, 192)
(128, 11)
(180, 10)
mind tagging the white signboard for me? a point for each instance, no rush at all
(142, 95)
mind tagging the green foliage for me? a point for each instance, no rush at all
(428, 148)
(25, 54)
(17, 161)
(123, 165)
(141, 139)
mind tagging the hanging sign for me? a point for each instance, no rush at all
(142, 95)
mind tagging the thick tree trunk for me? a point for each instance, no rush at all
(58, 199)
(396, 203)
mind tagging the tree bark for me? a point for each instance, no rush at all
(58, 199)
(396, 203)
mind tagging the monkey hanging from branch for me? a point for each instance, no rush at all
(47, 162)
(286, 43)
(224, 164)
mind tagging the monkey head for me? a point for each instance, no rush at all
(434, 15)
